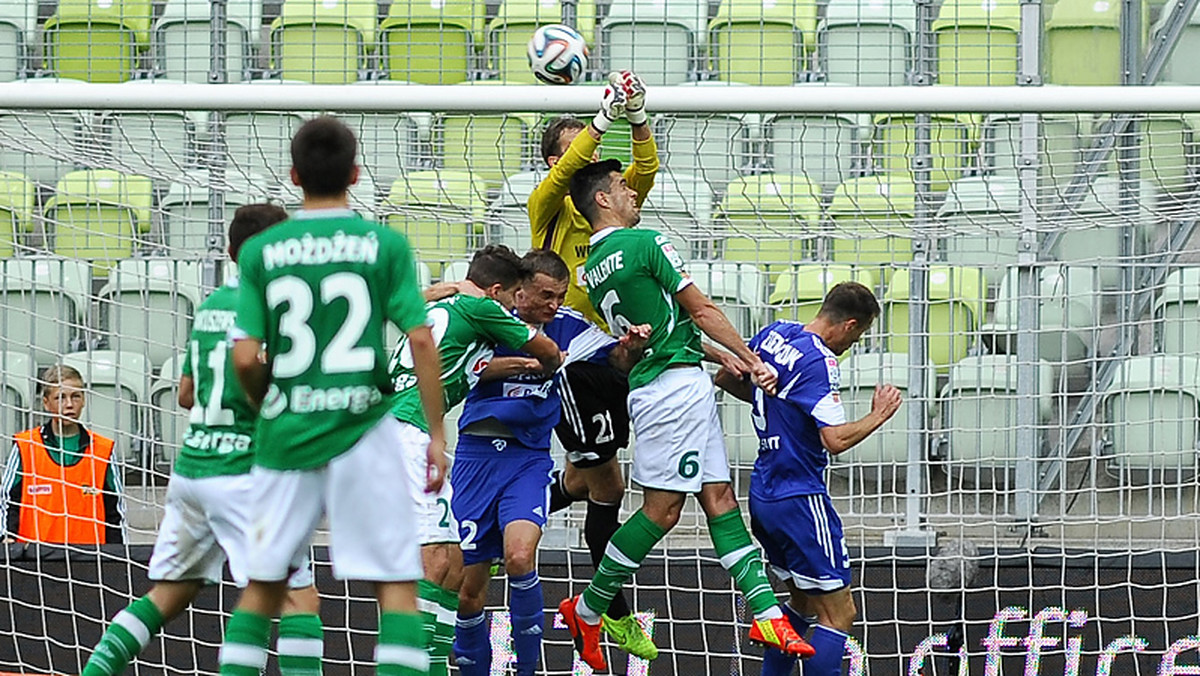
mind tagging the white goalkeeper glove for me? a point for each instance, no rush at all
(635, 96)
(612, 106)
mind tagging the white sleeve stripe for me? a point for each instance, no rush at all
(586, 344)
(684, 283)
(829, 410)
(9, 480)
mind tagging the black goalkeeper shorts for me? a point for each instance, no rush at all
(595, 415)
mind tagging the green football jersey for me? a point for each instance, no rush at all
(221, 423)
(466, 329)
(318, 290)
(632, 277)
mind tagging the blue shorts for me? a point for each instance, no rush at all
(496, 482)
(802, 537)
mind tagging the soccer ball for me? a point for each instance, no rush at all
(557, 54)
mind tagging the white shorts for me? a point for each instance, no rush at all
(679, 445)
(365, 494)
(207, 521)
(435, 522)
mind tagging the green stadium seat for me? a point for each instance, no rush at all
(508, 214)
(882, 456)
(1058, 147)
(951, 145)
(168, 420)
(979, 416)
(258, 143)
(433, 41)
(662, 41)
(1165, 151)
(185, 210)
(1150, 411)
(980, 223)
(871, 220)
(183, 37)
(158, 144)
(17, 391)
(681, 207)
(1181, 65)
(1177, 312)
(763, 43)
(18, 198)
(43, 305)
(100, 215)
(490, 146)
(955, 297)
(323, 41)
(867, 42)
(1068, 312)
(516, 20)
(714, 146)
(441, 213)
(772, 220)
(389, 143)
(1092, 230)
(977, 42)
(801, 289)
(18, 35)
(118, 389)
(829, 149)
(1083, 42)
(43, 145)
(738, 288)
(147, 306)
(97, 40)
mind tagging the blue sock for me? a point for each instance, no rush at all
(830, 645)
(528, 618)
(472, 648)
(776, 662)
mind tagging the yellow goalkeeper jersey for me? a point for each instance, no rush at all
(552, 212)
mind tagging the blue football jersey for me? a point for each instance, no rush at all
(530, 406)
(791, 459)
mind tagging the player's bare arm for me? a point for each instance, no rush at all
(427, 365)
(716, 355)
(187, 392)
(709, 319)
(507, 367)
(545, 351)
(841, 438)
(252, 373)
(735, 384)
(629, 348)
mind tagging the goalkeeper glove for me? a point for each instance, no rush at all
(635, 96)
(612, 106)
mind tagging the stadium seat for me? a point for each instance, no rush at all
(441, 213)
(955, 299)
(158, 144)
(1177, 312)
(738, 288)
(661, 41)
(117, 385)
(680, 206)
(18, 35)
(871, 221)
(363, 197)
(715, 146)
(1150, 411)
(1092, 230)
(977, 42)
(185, 210)
(389, 143)
(828, 149)
(867, 43)
(508, 214)
(183, 37)
(772, 220)
(801, 289)
(1180, 67)
(43, 306)
(980, 223)
(325, 41)
(1058, 151)
(17, 202)
(883, 455)
(147, 306)
(979, 417)
(455, 271)
(258, 143)
(1083, 42)
(97, 40)
(1068, 312)
(18, 396)
(1165, 151)
(763, 43)
(951, 145)
(516, 20)
(100, 215)
(433, 41)
(44, 145)
(168, 420)
(489, 146)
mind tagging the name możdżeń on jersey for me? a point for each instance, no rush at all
(608, 265)
(309, 250)
(305, 399)
(214, 321)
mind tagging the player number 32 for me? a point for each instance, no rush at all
(342, 354)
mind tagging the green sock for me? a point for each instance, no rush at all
(439, 607)
(301, 645)
(740, 557)
(626, 550)
(401, 647)
(129, 633)
(244, 651)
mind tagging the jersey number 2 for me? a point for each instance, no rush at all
(342, 354)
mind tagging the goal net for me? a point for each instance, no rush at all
(1041, 314)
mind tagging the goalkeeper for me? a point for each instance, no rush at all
(797, 430)
(208, 512)
(593, 393)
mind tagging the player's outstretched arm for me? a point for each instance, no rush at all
(630, 348)
(709, 319)
(841, 438)
(546, 351)
(508, 367)
(427, 365)
(252, 373)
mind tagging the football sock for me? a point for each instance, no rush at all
(127, 635)
(301, 645)
(528, 620)
(775, 661)
(472, 647)
(602, 521)
(244, 651)
(439, 606)
(401, 647)
(740, 557)
(560, 499)
(830, 645)
(626, 550)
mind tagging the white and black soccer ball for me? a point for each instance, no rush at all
(558, 54)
